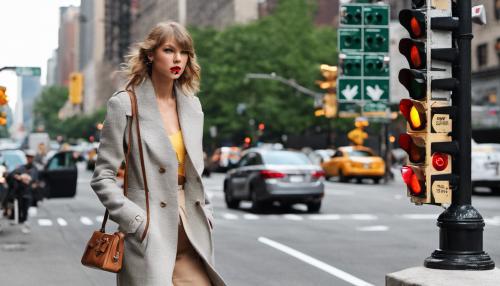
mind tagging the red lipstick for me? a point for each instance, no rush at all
(175, 70)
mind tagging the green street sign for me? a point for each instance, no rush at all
(349, 110)
(376, 90)
(28, 71)
(376, 40)
(349, 90)
(376, 15)
(351, 65)
(376, 65)
(350, 39)
(351, 15)
(374, 109)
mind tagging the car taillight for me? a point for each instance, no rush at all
(318, 174)
(268, 174)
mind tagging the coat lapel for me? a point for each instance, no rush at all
(154, 133)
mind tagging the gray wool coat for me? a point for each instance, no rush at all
(151, 262)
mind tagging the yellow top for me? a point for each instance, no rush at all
(178, 145)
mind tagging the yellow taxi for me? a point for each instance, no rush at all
(357, 162)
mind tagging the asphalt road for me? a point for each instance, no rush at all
(362, 232)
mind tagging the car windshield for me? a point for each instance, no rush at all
(285, 158)
(359, 153)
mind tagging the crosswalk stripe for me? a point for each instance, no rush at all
(86, 221)
(61, 221)
(292, 217)
(325, 217)
(363, 217)
(230, 216)
(373, 228)
(250, 216)
(44, 222)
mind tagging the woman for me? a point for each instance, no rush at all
(178, 246)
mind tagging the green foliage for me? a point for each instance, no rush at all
(286, 43)
(46, 111)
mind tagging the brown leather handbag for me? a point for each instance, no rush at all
(105, 251)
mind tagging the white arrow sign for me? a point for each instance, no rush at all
(350, 92)
(374, 93)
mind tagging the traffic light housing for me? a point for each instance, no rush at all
(329, 103)
(428, 112)
(3, 118)
(75, 88)
(3, 96)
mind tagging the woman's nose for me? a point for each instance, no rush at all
(177, 57)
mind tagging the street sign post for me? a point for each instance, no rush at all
(28, 71)
(363, 58)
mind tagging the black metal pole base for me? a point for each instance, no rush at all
(460, 241)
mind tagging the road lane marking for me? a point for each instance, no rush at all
(61, 221)
(44, 222)
(86, 221)
(420, 216)
(363, 217)
(492, 221)
(250, 216)
(230, 216)
(325, 217)
(373, 228)
(292, 217)
(315, 262)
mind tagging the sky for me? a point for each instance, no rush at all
(28, 36)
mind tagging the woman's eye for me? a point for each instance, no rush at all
(168, 50)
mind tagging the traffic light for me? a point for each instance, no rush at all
(428, 112)
(3, 118)
(75, 88)
(3, 97)
(329, 103)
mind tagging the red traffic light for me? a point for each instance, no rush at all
(416, 187)
(416, 153)
(415, 117)
(439, 161)
(414, 22)
(414, 51)
(262, 126)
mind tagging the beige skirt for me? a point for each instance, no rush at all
(189, 269)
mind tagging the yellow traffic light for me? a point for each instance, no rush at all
(3, 97)
(330, 75)
(75, 88)
(330, 105)
(3, 118)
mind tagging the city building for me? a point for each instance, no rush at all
(486, 68)
(68, 48)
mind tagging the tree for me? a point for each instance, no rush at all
(287, 43)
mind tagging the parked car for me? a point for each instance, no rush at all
(59, 175)
(224, 158)
(321, 155)
(485, 166)
(357, 162)
(265, 176)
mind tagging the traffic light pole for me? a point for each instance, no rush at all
(461, 225)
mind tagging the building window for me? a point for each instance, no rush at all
(482, 54)
(497, 9)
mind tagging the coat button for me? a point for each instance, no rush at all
(198, 203)
(163, 204)
(161, 170)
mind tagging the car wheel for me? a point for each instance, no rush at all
(256, 203)
(313, 207)
(342, 178)
(359, 180)
(376, 181)
(228, 196)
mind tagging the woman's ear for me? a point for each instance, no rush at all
(150, 56)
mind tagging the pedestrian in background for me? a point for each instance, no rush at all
(21, 182)
(178, 247)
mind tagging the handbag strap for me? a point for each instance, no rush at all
(133, 101)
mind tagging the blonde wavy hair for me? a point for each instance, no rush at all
(137, 68)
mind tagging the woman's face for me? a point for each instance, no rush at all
(169, 60)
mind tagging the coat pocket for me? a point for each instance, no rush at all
(208, 213)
